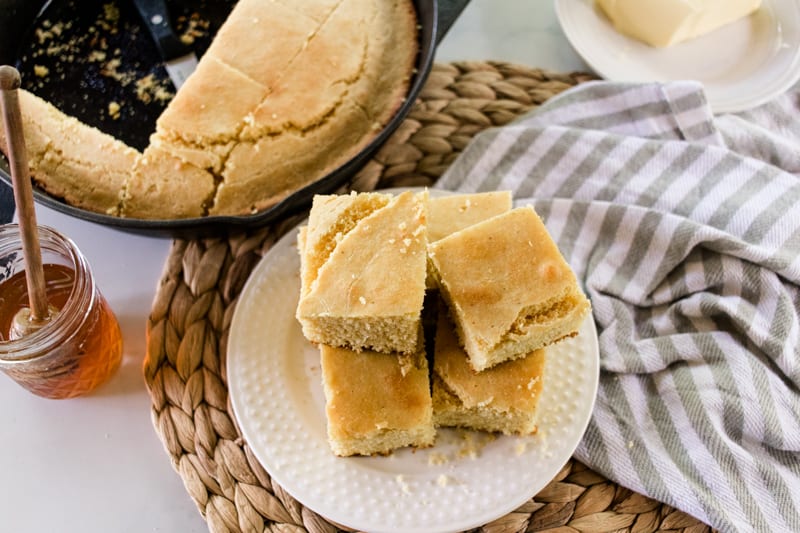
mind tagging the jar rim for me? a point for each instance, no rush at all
(76, 308)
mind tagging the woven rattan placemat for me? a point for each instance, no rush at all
(187, 333)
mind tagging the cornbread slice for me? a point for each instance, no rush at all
(161, 183)
(507, 287)
(502, 398)
(449, 214)
(72, 160)
(363, 271)
(374, 405)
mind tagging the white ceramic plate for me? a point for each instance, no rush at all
(465, 480)
(742, 65)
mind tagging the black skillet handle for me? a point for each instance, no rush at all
(6, 203)
(449, 10)
(156, 19)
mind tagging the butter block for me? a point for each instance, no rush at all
(663, 23)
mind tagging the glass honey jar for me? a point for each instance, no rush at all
(80, 345)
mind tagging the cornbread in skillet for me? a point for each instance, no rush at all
(502, 398)
(372, 405)
(164, 186)
(287, 92)
(508, 289)
(72, 160)
(448, 214)
(363, 270)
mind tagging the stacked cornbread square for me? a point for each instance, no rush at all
(508, 289)
(376, 402)
(504, 293)
(500, 399)
(363, 270)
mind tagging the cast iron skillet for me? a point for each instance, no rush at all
(78, 88)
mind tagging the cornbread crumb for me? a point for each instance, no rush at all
(113, 110)
(472, 444)
(437, 459)
(404, 486)
(150, 89)
(520, 447)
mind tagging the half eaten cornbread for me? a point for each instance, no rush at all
(363, 269)
(502, 398)
(508, 288)
(374, 404)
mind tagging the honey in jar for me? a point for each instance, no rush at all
(80, 345)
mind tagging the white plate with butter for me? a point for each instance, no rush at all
(466, 479)
(742, 65)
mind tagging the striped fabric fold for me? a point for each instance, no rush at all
(684, 229)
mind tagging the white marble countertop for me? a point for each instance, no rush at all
(95, 464)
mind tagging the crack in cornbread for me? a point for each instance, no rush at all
(344, 214)
(322, 84)
(286, 93)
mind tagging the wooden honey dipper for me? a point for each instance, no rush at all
(28, 319)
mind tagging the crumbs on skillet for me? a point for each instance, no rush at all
(56, 41)
(72, 50)
(94, 60)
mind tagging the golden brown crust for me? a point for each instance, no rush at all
(449, 214)
(161, 182)
(286, 93)
(365, 270)
(507, 286)
(210, 107)
(513, 385)
(71, 160)
(374, 404)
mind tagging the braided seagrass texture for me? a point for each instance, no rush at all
(187, 333)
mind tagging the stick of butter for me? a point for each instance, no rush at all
(666, 22)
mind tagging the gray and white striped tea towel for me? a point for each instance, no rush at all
(685, 232)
